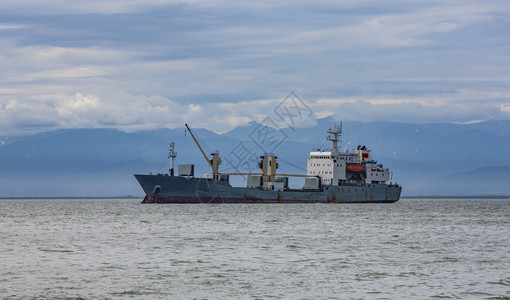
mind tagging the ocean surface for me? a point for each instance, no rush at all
(121, 249)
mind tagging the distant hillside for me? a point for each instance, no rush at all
(427, 159)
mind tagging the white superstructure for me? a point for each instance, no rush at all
(337, 168)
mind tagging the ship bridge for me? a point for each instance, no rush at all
(337, 168)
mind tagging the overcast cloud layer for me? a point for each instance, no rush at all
(218, 64)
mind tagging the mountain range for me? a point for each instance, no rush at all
(426, 159)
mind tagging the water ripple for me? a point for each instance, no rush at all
(118, 248)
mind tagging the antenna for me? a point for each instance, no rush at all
(172, 156)
(345, 148)
(334, 132)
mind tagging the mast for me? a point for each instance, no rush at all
(172, 156)
(334, 132)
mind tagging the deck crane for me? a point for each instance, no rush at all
(216, 159)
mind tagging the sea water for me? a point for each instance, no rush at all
(119, 248)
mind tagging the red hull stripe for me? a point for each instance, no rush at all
(207, 200)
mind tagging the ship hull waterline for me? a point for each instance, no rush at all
(178, 189)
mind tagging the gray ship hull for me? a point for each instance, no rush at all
(178, 189)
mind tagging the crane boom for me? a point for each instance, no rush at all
(201, 150)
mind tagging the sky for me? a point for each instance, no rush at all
(143, 64)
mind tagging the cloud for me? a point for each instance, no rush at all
(412, 112)
(143, 64)
(11, 26)
(132, 113)
(55, 7)
(505, 108)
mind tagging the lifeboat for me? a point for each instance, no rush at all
(355, 168)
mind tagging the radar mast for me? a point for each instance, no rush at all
(172, 156)
(334, 132)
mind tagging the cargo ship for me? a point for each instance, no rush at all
(331, 177)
